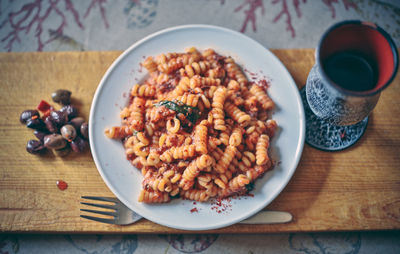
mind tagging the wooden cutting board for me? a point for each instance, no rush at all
(355, 189)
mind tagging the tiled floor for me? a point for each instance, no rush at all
(60, 25)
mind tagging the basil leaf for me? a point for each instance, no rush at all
(191, 113)
(250, 186)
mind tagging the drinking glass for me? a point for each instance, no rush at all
(355, 61)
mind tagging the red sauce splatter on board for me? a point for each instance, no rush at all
(62, 185)
(194, 210)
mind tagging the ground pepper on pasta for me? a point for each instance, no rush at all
(197, 128)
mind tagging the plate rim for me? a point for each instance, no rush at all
(120, 58)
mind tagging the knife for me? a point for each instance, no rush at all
(268, 217)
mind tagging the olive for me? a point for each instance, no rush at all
(54, 141)
(59, 117)
(62, 96)
(77, 122)
(35, 147)
(27, 114)
(51, 125)
(79, 144)
(70, 111)
(62, 152)
(85, 130)
(68, 132)
(40, 135)
(36, 123)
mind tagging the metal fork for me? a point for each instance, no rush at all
(121, 214)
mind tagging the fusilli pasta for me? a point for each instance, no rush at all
(196, 127)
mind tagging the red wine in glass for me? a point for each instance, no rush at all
(351, 70)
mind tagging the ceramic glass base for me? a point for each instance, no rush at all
(327, 137)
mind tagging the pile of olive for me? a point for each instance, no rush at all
(58, 130)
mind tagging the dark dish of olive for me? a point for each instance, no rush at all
(61, 131)
(68, 132)
(61, 96)
(54, 141)
(79, 144)
(70, 111)
(28, 114)
(85, 130)
(35, 147)
(36, 123)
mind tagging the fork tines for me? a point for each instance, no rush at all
(115, 200)
(107, 199)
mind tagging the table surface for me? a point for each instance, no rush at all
(103, 25)
(355, 189)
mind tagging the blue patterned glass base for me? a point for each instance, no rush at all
(327, 137)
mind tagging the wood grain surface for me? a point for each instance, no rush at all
(355, 189)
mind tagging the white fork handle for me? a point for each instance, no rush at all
(269, 217)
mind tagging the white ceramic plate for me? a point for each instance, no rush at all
(112, 95)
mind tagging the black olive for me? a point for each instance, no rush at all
(79, 144)
(59, 117)
(68, 132)
(54, 141)
(77, 122)
(27, 114)
(35, 147)
(36, 124)
(70, 111)
(85, 130)
(62, 96)
(51, 125)
(40, 135)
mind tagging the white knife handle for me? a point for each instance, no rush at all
(269, 217)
